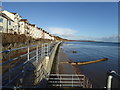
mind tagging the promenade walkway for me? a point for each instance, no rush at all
(64, 68)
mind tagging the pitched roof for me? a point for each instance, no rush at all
(4, 15)
(39, 28)
(47, 33)
(16, 13)
(13, 13)
(43, 30)
(33, 25)
(25, 20)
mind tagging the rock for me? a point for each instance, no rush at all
(74, 51)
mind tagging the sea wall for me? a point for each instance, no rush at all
(44, 68)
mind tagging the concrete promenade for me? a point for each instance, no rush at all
(64, 68)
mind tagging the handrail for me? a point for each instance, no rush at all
(18, 56)
(29, 60)
(13, 59)
(66, 75)
(18, 48)
(111, 74)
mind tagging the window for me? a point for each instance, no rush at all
(1, 28)
(9, 23)
(1, 19)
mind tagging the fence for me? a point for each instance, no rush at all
(17, 68)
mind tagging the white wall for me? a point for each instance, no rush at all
(22, 30)
(4, 25)
(39, 33)
(10, 15)
(10, 26)
(1, 24)
(45, 35)
(16, 22)
(34, 32)
(53, 38)
(31, 31)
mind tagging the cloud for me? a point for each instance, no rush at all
(112, 38)
(63, 32)
(74, 35)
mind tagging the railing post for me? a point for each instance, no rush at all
(87, 85)
(60, 79)
(90, 85)
(109, 81)
(36, 54)
(42, 50)
(28, 56)
(72, 80)
(49, 48)
(9, 66)
(46, 49)
(84, 82)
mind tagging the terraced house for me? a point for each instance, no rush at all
(6, 22)
(17, 18)
(39, 33)
(23, 27)
(15, 24)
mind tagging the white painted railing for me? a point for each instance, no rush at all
(112, 74)
(35, 57)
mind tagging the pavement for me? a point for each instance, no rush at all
(64, 68)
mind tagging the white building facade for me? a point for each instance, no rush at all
(17, 18)
(13, 23)
(6, 23)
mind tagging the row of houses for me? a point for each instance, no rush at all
(14, 23)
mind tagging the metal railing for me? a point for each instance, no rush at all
(68, 80)
(111, 74)
(16, 69)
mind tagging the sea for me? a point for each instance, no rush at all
(88, 51)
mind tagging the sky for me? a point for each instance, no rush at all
(71, 20)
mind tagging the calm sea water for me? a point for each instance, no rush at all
(87, 51)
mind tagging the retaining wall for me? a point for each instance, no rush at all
(44, 68)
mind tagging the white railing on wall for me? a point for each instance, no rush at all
(111, 75)
(35, 57)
